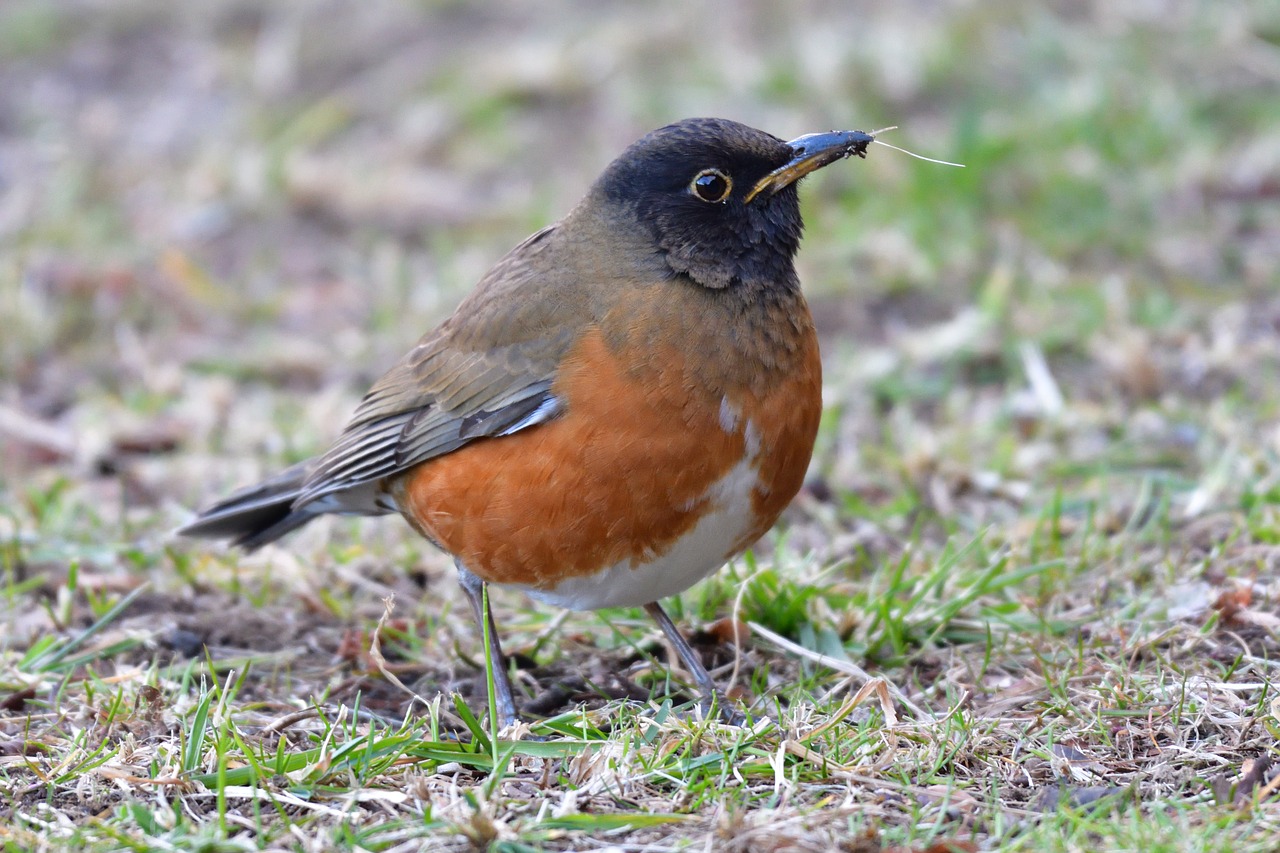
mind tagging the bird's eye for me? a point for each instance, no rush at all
(711, 185)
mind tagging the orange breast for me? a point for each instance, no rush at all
(624, 473)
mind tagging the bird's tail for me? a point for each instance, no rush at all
(258, 514)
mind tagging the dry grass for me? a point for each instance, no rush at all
(1028, 599)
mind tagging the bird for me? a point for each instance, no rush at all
(625, 402)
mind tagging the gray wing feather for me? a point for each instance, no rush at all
(487, 372)
(373, 450)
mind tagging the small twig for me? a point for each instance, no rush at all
(838, 665)
(546, 632)
(1043, 385)
(737, 640)
(879, 687)
(375, 652)
(279, 724)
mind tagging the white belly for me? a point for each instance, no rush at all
(697, 554)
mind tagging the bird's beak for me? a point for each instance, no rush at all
(810, 153)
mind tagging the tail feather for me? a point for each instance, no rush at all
(257, 515)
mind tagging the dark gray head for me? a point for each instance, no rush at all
(720, 197)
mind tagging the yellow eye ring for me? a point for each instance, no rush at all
(711, 185)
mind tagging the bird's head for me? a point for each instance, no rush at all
(719, 198)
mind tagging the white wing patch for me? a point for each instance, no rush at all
(547, 409)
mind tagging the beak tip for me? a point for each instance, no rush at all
(851, 141)
(811, 152)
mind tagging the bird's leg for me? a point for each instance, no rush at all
(693, 663)
(473, 586)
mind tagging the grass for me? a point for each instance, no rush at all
(1026, 601)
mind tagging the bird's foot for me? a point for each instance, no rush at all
(719, 705)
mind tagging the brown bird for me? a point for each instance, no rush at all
(627, 400)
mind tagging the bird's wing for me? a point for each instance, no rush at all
(487, 371)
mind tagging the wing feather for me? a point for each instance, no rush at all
(487, 372)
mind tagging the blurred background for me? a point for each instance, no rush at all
(1045, 501)
(219, 221)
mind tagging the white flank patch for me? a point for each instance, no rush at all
(751, 441)
(697, 554)
(729, 415)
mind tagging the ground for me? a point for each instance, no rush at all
(1029, 598)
